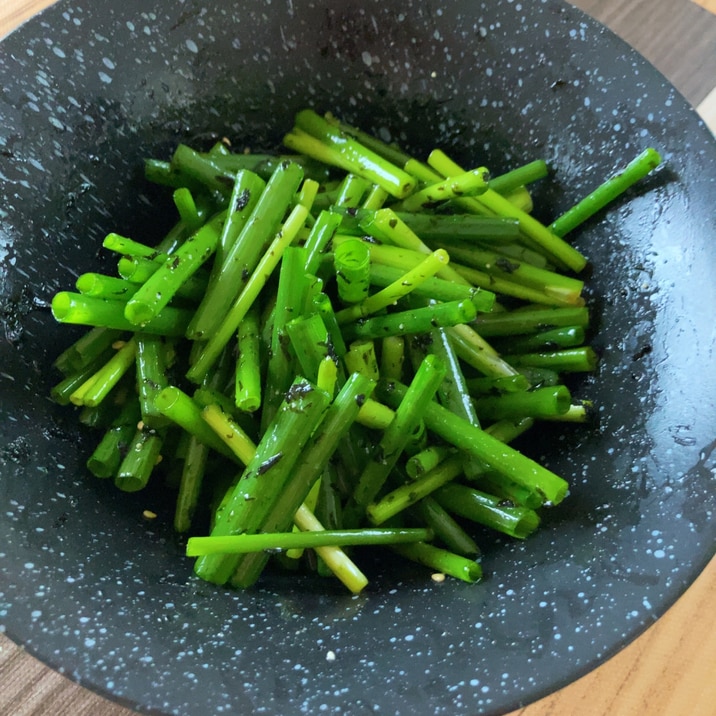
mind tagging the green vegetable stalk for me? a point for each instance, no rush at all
(263, 478)
(442, 561)
(489, 510)
(498, 205)
(243, 255)
(241, 544)
(478, 443)
(417, 320)
(408, 414)
(607, 192)
(236, 312)
(247, 377)
(402, 497)
(290, 291)
(338, 420)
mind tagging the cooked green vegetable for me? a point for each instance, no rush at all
(612, 188)
(249, 501)
(443, 561)
(243, 255)
(241, 544)
(408, 414)
(329, 340)
(159, 289)
(247, 377)
(352, 265)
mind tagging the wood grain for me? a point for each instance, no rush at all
(678, 38)
(14, 12)
(709, 5)
(707, 110)
(669, 670)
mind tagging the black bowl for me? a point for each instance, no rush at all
(89, 90)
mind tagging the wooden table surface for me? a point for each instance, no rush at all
(668, 671)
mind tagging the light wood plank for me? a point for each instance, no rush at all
(668, 671)
(707, 109)
(709, 5)
(676, 36)
(14, 12)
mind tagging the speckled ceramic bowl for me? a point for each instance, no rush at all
(88, 89)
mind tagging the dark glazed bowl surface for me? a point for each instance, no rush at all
(88, 89)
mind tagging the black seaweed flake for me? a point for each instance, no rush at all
(506, 265)
(297, 391)
(267, 464)
(242, 200)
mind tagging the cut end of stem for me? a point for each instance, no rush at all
(138, 313)
(61, 306)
